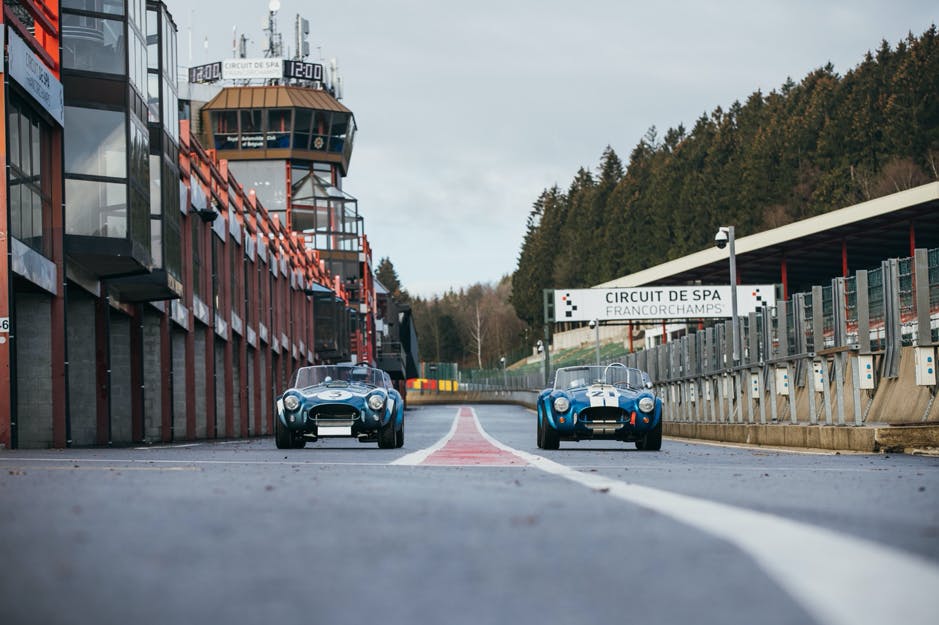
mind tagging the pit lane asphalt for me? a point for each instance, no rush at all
(240, 532)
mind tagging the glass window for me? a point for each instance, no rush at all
(156, 242)
(320, 130)
(153, 97)
(278, 128)
(138, 218)
(156, 195)
(250, 121)
(93, 44)
(138, 62)
(95, 208)
(95, 144)
(139, 158)
(225, 129)
(29, 193)
(172, 250)
(113, 7)
(302, 125)
(153, 40)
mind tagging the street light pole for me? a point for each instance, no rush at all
(505, 379)
(725, 237)
(595, 324)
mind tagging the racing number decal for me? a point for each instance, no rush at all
(334, 395)
(603, 397)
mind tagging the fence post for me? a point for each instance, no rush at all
(863, 338)
(892, 330)
(921, 287)
(769, 366)
(818, 344)
(807, 375)
(840, 327)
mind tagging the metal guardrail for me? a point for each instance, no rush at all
(833, 344)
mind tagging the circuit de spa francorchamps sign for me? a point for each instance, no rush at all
(659, 302)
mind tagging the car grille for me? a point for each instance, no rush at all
(602, 414)
(336, 414)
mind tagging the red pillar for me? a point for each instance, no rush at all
(60, 424)
(6, 379)
(844, 258)
(912, 239)
(784, 274)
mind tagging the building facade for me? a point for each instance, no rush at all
(150, 292)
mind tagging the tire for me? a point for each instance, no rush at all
(399, 437)
(282, 436)
(386, 436)
(652, 441)
(550, 439)
(540, 434)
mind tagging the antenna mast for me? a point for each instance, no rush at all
(275, 44)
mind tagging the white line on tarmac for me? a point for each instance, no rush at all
(123, 462)
(417, 457)
(839, 579)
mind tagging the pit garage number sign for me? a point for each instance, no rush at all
(668, 302)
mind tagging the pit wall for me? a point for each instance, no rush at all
(898, 415)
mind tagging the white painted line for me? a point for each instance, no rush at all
(839, 579)
(123, 462)
(180, 446)
(416, 457)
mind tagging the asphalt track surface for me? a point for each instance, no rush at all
(468, 523)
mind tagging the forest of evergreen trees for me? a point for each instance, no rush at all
(824, 143)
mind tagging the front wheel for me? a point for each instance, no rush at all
(386, 435)
(652, 441)
(399, 437)
(282, 436)
(550, 438)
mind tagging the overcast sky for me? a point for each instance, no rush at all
(468, 110)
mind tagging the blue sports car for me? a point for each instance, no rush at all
(339, 400)
(610, 403)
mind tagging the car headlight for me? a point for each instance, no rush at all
(291, 402)
(562, 404)
(647, 404)
(376, 401)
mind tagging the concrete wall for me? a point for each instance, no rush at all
(152, 377)
(237, 384)
(220, 414)
(249, 380)
(178, 341)
(201, 395)
(33, 370)
(82, 385)
(121, 391)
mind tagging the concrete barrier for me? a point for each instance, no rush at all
(869, 439)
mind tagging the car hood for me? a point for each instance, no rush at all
(341, 393)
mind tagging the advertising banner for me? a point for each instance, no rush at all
(659, 302)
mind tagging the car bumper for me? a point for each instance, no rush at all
(312, 423)
(574, 429)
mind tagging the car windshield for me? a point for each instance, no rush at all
(337, 374)
(615, 374)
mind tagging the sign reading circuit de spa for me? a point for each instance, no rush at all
(659, 302)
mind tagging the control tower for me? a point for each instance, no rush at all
(287, 137)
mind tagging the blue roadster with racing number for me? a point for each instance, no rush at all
(339, 400)
(591, 402)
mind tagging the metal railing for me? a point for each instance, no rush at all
(831, 346)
